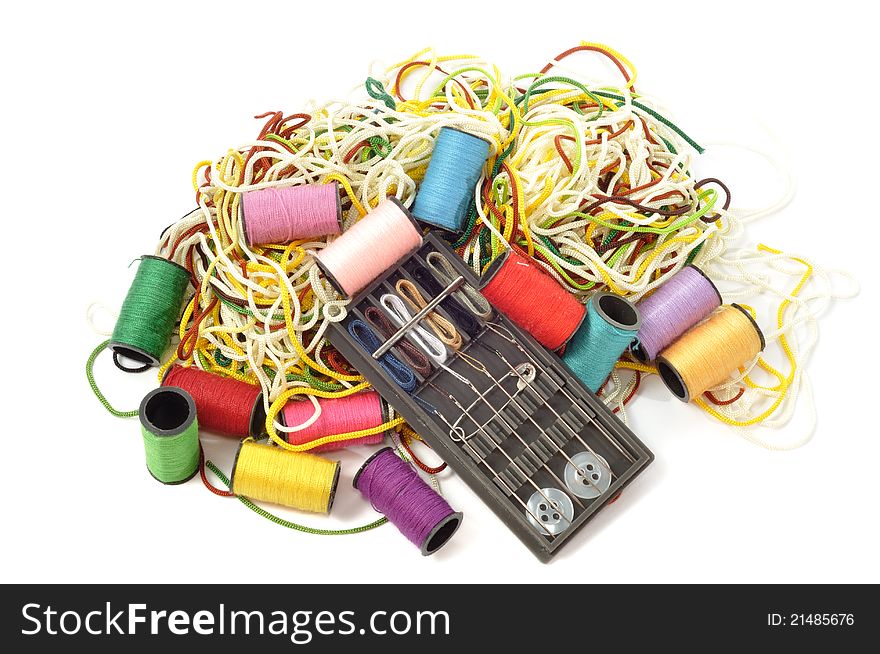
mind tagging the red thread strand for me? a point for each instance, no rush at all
(204, 476)
(717, 402)
(422, 465)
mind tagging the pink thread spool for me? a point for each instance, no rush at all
(338, 416)
(376, 243)
(283, 215)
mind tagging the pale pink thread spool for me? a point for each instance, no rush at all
(338, 416)
(282, 215)
(376, 243)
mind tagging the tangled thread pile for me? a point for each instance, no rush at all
(588, 179)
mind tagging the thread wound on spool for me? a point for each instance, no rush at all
(676, 306)
(532, 299)
(270, 474)
(455, 168)
(376, 243)
(396, 490)
(170, 433)
(609, 328)
(226, 406)
(282, 215)
(338, 416)
(149, 311)
(708, 353)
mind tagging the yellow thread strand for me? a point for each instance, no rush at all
(282, 399)
(785, 383)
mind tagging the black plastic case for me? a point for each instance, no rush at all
(515, 410)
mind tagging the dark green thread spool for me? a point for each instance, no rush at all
(171, 434)
(149, 312)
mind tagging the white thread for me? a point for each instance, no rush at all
(426, 341)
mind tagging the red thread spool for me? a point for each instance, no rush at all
(225, 406)
(532, 299)
(338, 416)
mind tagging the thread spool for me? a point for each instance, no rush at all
(519, 289)
(396, 490)
(446, 192)
(708, 353)
(149, 312)
(282, 215)
(610, 326)
(170, 432)
(226, 406)
(270, 474)
(338, 416)
(376, 243)
(681, 302)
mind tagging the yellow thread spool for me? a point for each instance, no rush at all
(270, 474)
(706, 354)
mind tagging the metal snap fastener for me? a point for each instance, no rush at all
(550, 511)
(589, 477)
(525, 374)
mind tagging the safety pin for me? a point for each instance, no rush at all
(482, 460)
(574, 402)
(482, 368)
(501, 449)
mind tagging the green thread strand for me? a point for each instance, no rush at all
(693, 253)
(560, 79)
(90, 375)
(710, 197)
(376, 91)
(287, 523)
(675, 128)
(151, 308)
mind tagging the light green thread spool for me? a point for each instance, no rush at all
(610, 326)
(150, 311)
(171, 434)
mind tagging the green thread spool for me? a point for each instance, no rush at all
(149, 312)
(610, 326)
(171, 434)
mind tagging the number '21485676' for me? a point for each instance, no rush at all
(810, 620)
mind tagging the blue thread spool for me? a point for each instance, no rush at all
(447, 190)
(610, 326)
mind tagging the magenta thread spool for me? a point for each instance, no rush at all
(681, 302)
(339, 415)
(283, 215)
(396, 490)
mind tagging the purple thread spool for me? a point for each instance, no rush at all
(684, 300)
(395, 489)
(282, 215)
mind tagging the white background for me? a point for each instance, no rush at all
(105, 110)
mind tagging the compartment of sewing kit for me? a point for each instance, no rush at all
(505, 413)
